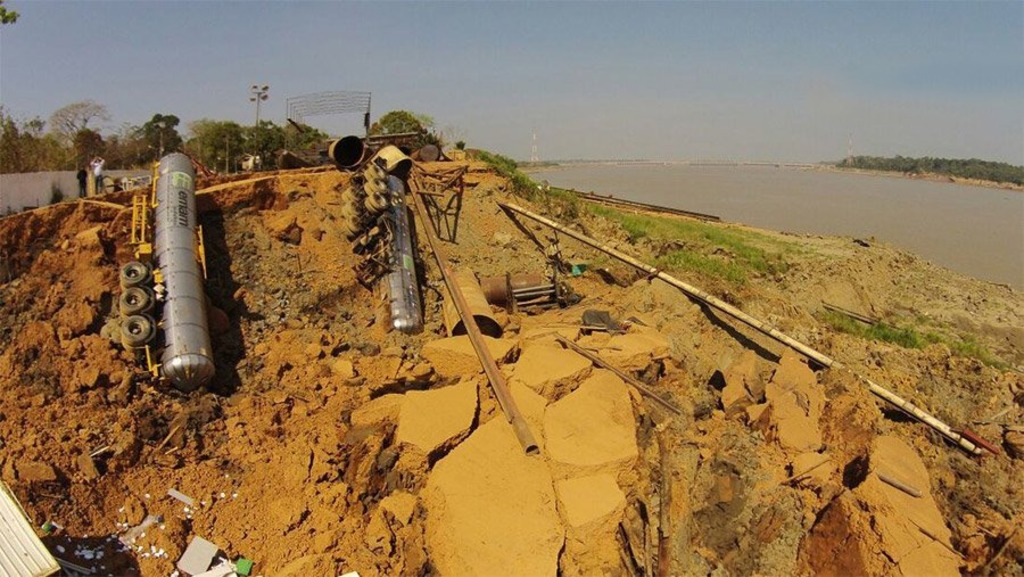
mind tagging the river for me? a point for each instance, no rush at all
(973, 230)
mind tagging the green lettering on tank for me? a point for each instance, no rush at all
(181, 179)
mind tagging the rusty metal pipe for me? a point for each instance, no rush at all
(348, 152)
(478, 306)
(497, 380)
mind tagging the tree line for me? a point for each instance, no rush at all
(72, 136)
(964, 168)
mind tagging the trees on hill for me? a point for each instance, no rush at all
(969, 168)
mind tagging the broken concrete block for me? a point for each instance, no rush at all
(797, 402)
(35, 471)
(549, 369)
(455, 357)
(743, 385)
(87, 467)
(635, 350)
(491, 509)
(429, 419)
(401, 505)
(591, 499)
(593, 428)
(877, 529)
(384, 409)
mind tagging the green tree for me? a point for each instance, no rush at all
(25, 148)
(160, 134)
(216, 143)
(7, 16)
(401, 121)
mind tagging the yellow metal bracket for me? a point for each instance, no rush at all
(201, 249)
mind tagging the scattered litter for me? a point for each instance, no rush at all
(243, 566)
(181, 497)
(198, 556)
(594, 320)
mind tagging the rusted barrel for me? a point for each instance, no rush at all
(477, 304)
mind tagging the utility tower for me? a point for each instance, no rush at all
(533, 150)
(849, 151)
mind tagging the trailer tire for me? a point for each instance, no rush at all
(135, 274)
(137, 331)
(136, 300)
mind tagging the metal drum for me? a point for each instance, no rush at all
(187, 359)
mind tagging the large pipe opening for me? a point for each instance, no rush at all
(348, 152)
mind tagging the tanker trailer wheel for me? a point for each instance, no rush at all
(137, 331)
(136, 300)
(134, 274)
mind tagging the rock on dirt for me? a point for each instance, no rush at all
(455, 356)
(430, 419)
(491, 509)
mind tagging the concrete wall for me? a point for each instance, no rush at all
(32, 189)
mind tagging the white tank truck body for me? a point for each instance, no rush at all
(187, 358)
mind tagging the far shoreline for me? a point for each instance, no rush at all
(930, 177)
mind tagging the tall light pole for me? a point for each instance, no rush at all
(259, 94)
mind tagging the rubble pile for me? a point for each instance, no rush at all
(329, 443)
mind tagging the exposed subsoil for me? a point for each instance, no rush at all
(327, 443)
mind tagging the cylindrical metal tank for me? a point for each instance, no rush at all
(403, 288)
(187, 359)
(477, 302)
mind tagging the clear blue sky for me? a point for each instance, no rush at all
(773, 81)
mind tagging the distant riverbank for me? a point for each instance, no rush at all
(975, 230)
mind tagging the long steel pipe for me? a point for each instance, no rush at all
(406, 313)
(712, 301)
(497, 380)
(187, 359)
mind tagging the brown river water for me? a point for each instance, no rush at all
(973, 230)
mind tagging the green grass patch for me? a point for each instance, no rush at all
(560, 202)
(714, 251)
(913, 338)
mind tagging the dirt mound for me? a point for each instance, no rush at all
(328, 443)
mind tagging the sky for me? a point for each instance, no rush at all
(778, 81)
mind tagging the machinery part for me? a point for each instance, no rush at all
(394, 161)
(136, 300)
(498, 384)
(187, 359)
(348, 152)
(375, 203)
(478, 308)
(375, 187)
(501, 290)
(403, 287)
(137, 331)
(135, 273)
(825, 361)
(374, 172)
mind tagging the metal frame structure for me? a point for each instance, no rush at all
(326, 103)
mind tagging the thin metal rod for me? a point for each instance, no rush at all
(644, 389)
(497, 380)
(704, 297)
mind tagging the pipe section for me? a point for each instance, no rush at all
(403, 288)
(348, 152)
(478, 307)
(187, 359)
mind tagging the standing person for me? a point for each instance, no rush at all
(97, 172)
(83, 176)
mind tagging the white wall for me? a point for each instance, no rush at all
(32, 189)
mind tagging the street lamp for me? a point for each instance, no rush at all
(259, 94)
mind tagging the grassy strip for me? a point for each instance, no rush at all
(563, 203)
(913, 338)
(725, 253)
